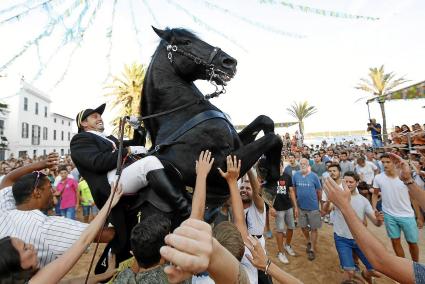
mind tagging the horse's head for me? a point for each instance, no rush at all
(195, 59)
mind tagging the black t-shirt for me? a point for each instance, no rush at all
(283, 201)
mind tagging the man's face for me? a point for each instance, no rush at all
(304, 166)
(351, 183)
(361, 163)
(46, 196)
(343, 157)
(330, 153)
(93, 122)
(370, 155)
(297, 155)
(334, 173)
(291, 160)
(317, 158)
(388, 164)
(246, 192)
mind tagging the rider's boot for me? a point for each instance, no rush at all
(159, 182)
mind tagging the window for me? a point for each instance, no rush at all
(69, 123)
(25, 128)
(69, 136)
(45, 111)
(62, 135)
(36, 108)
(62, 152)
(35, 138)
(62, 121)
(54, 134)
(34, 153)
(44, 152)
(45, 133)
(25, 103)
(22, 154)
(54, 120)
(1, 127)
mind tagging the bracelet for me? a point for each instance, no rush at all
(267, 266)
(409, 182)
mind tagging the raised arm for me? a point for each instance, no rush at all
(231, 176)
(256, 191)
(260, 260)
(57, 269)
(203, 167)
(51, 162)
(397, 268)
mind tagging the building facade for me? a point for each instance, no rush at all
(31, 128)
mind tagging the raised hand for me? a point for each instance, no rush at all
(233, 169)
(204, 163)
(117, 195)
(52, 161)
(189, 249)
(258, 258)
(402, 167)
(335, 194)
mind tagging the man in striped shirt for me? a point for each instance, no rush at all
(23, 194)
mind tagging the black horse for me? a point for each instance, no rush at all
(188, 123)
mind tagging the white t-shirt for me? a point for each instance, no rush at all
(251, 271)
(255, 221)
(368, 171)
(395, 196)
(360, 205)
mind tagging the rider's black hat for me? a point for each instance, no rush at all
(86, 112)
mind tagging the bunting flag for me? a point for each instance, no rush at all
(78, 44)
(253, 23)
(109, 32)
(26, 12)
(276, 125)
(136, 30)
(321, 12)
(47, 32)
(205, 25)
(70, 35)
(151, 13)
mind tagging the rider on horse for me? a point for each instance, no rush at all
(96, 155)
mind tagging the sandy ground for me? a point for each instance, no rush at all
(324, 269)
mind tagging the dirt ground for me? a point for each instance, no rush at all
(324, 269)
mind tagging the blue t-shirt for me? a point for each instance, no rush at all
(306, 188)
(376, 134)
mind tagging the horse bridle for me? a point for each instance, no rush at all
(211, 70)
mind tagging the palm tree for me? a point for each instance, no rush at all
(301, 111)
(126, 93)
(379, 84)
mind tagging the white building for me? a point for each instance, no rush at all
(31, 129)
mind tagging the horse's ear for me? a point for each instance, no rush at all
(164, 34)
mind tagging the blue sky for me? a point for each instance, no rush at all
(273, 70)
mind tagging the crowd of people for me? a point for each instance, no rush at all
(344, 185)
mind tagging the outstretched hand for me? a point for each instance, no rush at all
(117, 195)
(258, 257)
(402, 167)
(52, 161)
(233, 169)
(204, 163)
(334, 193)
(189, 249)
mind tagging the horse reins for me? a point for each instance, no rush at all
(118, 173)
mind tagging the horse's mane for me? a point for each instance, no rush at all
(181, 32)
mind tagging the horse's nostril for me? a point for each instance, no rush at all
(229, 62)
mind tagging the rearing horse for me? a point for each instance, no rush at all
(189, 123)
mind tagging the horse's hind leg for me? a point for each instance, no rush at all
(271, 145)
(262, 122)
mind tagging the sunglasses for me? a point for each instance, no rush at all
(39, 175)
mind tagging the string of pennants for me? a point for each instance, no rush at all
(321, 12)
(75, 34)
